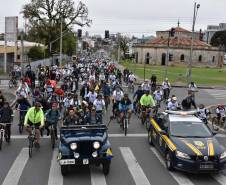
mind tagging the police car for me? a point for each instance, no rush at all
(84, 145)
(186, 143)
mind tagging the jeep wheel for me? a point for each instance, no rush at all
(64, 170)
(168, 162)
(150, 138)
(106, 167)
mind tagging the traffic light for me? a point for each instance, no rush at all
(79, 33)
(106, 34)
(172, 32)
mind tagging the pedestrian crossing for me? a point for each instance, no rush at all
(96, 177)
(217, 93)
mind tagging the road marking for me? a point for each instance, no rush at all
(16, 169)
(109, 135)
(136, 171)
(55, 177)
(220, 178)
(97, 177)
(179, 177)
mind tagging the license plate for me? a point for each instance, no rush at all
(85, 161)
(206, 166)
(67, 161)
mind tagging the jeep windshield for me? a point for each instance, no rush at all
(189, 129)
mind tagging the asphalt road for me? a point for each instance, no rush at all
(134, 162)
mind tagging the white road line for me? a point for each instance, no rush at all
(55, 177)
(110, 135)
(179, 177)
(136, 171)
(97, 177)
(16, 169)
(220, 178)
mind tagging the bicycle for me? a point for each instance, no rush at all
(31, 140)
(107, 101)
(4, 134)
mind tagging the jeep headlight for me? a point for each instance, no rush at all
(73, 146)
(96, 145)
(223, 155)
(182, 155)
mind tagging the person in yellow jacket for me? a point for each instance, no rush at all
(35, 117)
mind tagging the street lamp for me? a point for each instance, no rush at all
(196, 8)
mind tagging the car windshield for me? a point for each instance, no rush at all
(189, 129)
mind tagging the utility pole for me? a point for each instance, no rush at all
(196, 7)
(22, 51)
(167, 56)
(61, 40)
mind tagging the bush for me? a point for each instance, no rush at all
(36, 53)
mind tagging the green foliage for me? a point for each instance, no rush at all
(219, 39)
(36, 53)
(45, 19)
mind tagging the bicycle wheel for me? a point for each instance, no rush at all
(125, 126)
(1, 140)
(30, 147)
(53, 139)
(214, 124)
(21, 128)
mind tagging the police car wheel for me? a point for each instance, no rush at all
(168, 162)
(150, 138)
(64, 170)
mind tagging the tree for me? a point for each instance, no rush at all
(36, 53)
(123, 41)
(219, 39)
(45, 18)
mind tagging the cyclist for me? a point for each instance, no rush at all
(125, 105)
(99, 104)
(203, 113)
(107, 93)
(188, 102)
(138, 94)
(145, 86)
(35, 117)
(92, 95)
(72, 118)
(132, 78)
(158, 96)
(173, 104)
(6, 114)
(221, 114)
(116, 98)
(193, 88)
(166, 89)
(92, 117)
(146, 102)
(52, 117)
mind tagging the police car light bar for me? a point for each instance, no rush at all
(182, 113)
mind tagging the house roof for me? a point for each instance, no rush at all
(179, 29)
(26, 44)
(177, 42)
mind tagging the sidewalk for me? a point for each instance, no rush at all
(140, 81)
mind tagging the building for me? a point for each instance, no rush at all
(11, 50)
(212, 29)
(155, 51)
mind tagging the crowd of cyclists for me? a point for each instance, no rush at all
(81, 93)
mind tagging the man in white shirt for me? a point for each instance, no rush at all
(92, 95)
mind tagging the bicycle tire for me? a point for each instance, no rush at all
(30, 148)
(125, 127)
(10, 84)
(53, 139)
(1, 140)
(21, 128)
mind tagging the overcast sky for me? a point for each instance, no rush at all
(136, 17)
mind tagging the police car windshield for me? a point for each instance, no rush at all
(189, 129)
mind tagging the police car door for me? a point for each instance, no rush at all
(161, 141)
